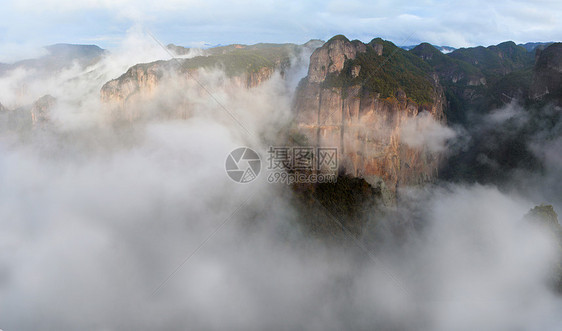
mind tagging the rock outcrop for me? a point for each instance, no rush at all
(144, 78)
(40, 110)
(331, 58)
(345, 102)
(141, 78)
(243, 67)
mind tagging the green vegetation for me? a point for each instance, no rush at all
(547, 70)
(338, 37)
(513, 85)
(544, 214)
(446, 66)
(396, 69)
(466, 64)
(329, 206)
(495, 61)
(297, 138)
(481, 78)
(239, 59)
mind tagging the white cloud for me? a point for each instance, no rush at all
(423, 131)
(94, 218)
(454, 23)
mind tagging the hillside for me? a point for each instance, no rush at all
(59, 56)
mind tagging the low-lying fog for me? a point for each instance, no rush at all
(136, 225)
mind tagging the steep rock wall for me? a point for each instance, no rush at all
(365, 127)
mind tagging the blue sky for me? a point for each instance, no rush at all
(27, 24)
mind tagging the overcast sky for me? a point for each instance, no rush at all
(26, 24)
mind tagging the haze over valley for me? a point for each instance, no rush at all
(335, 182)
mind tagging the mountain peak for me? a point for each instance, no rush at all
(338, 37)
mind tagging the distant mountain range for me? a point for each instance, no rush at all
(531, 46)
(59, 56)
(443, 49)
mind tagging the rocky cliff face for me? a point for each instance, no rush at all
(242, 66)
(144, 78)
(547, 74)
(32, 116)
(40, 110)
(146, 82)
(141, 78)
(364, 122)
(331, 59)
